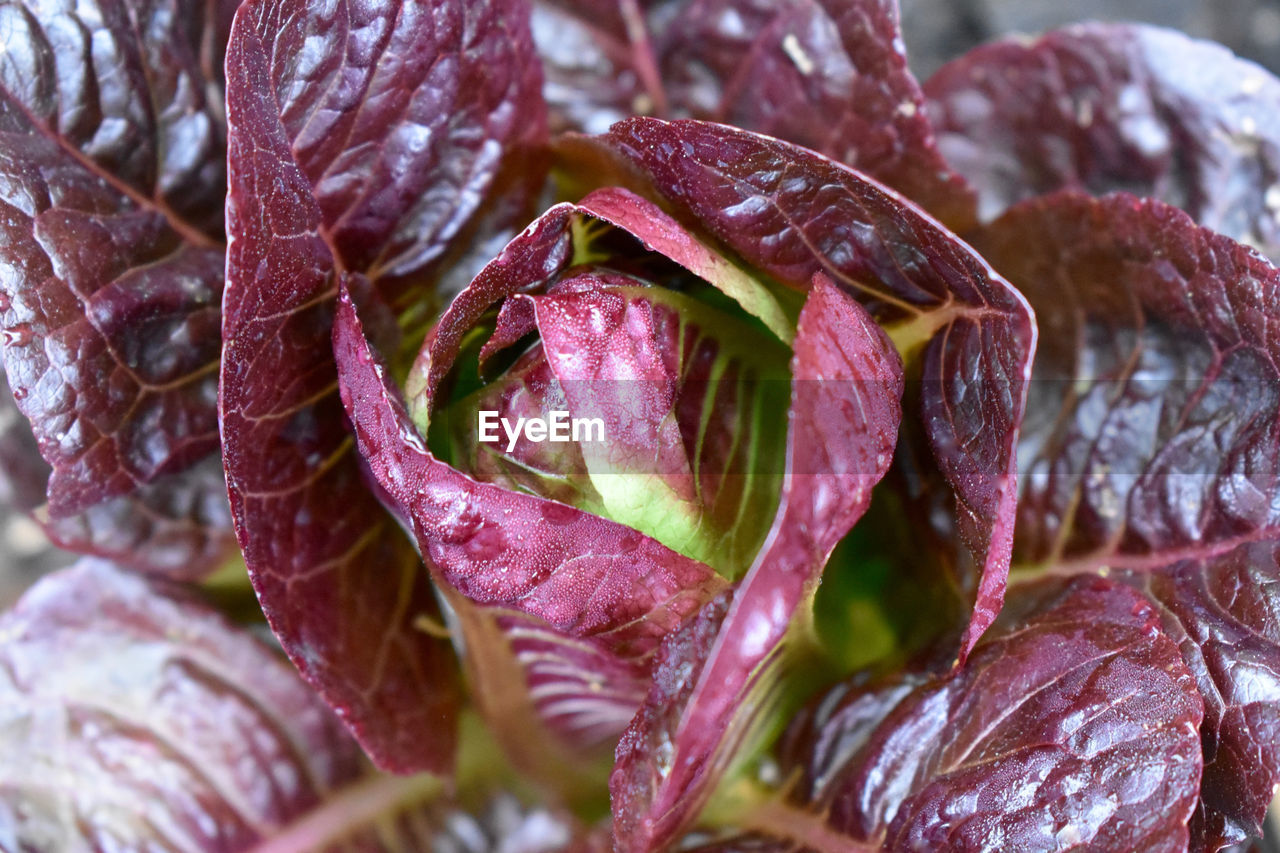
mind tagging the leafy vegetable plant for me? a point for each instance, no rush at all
(656, 425)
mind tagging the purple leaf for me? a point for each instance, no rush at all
(689, 396)
(580, 574)
(830, 75)
(24, 475)
(688, 401)
(179, 526)
(361, 139)
(1157, 400)
(827, 74)
(545, 249)
(598, 59)
(487, 535)
(111, 259)
(794, 214)
(138, 718)
(401, 117)
(646, 751)
(1074, 724)
(1224, 613)
(583, 692)
(1105, 107)
(843, 423)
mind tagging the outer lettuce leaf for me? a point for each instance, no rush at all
(110, 255)
(179, 526)
(402, 119)
(1157, 435)
(598, 59)
(830, 75)
(1155, 450)
(1224, 612)
(350, 151)
(843, 423)
(24, 475)
(793, 213)
(581, 576)
(1073, 724)
(827, 74)
(135, 717)
(1106, 107)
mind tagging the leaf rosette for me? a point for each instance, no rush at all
(725, 407)
(682, 375)
(629, 456)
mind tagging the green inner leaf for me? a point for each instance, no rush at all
(727, 426)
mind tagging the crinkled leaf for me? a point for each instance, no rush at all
(179, 526)
(24, 475)
(830, 75)
(135, 717)
(843, 423)
(1073, 724)
(581, 575)
(1224, 612)
(1157, 397)
(111, 262)
(400, 118)
(1106, 107)
(793, 214)
(827, 74)
(362, 138)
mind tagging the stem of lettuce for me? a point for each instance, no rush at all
(352, 808)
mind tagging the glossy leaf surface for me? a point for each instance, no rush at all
(1072, 724)
(843, 423)
(111, 259)
(1104, 107)
(1157, 398)
(1224, 612)
(179, 526)
(793, 213)
(361, 138)
(830, 75)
